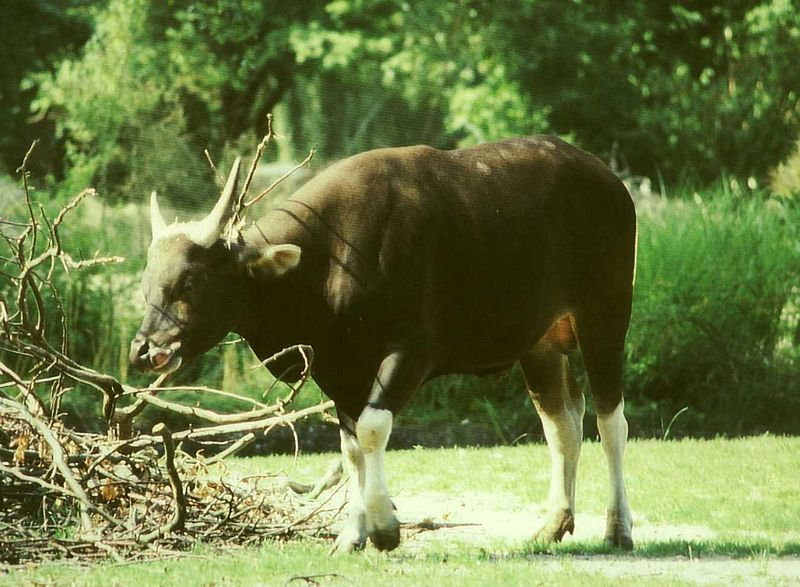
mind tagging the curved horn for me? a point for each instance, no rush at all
(157, 223)
(209, 229)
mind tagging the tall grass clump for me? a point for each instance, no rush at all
(715, 321)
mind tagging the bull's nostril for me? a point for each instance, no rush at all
(140, 348)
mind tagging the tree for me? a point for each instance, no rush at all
(678, 88)
(159, 82)
(35, 34)
(674, 89)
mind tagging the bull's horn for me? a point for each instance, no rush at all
(157, 223)
(209, 229)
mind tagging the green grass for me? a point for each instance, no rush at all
(736, 487)
(276, 564)
(743, 491)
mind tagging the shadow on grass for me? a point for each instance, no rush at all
(692, 549)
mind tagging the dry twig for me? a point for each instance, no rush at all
(241, 204)
(111, 492)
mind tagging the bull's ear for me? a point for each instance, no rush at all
(275, 259)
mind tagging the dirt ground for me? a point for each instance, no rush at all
(493, 520)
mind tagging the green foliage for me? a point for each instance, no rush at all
(677, 89)
(715, 315)
(35, 34)
(345, 112)
(674, 89)
(729, 101)
(159, 82)
(785, 178)
(440, 57)
(124, 127)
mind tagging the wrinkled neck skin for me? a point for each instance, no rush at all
(285, 311)
(330, 301)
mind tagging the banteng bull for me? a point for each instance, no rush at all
(398, 265)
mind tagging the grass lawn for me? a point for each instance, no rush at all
(716, 512)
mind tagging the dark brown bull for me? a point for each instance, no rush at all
(398, 265)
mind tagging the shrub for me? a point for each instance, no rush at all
(121, 120)
(715, 296)
(785, 178)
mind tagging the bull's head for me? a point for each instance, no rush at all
(195, 282)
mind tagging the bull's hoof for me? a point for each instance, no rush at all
(386, 537)
(619, 536)
(618, 532)
(557, 525)
(353, 536)
(346, 542)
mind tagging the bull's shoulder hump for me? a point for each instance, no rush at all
(372, 177)
(364, 168)
(541, 148)
(383, 162)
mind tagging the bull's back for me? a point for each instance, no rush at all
(473, 252)
(518, 233)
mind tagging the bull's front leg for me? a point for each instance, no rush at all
(373, 430)
(353, 535)
(370, 511)
(371, 508)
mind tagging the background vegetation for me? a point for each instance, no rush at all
(698, 99)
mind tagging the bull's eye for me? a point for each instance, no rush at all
(187, 284)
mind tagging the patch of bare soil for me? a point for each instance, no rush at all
(492, 520)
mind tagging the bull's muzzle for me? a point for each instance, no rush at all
(145, 355)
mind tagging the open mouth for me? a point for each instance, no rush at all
(165, 359)
(159, 359)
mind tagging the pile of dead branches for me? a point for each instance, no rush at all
(69, 494)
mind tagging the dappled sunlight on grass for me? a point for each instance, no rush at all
(717, 509)
(746, 548)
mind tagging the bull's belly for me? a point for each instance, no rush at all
(499, 348)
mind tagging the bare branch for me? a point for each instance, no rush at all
(113, 485)
(238, 427)
(179, 500)
(281, 179)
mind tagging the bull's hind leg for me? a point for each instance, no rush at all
(602, 340)
(560, 405)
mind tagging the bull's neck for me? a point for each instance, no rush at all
(289, 310)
